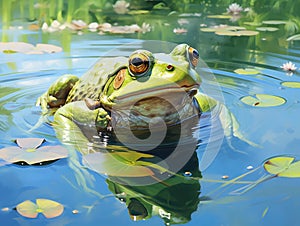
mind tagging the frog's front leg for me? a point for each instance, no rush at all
(57, 93)
(228, 121)
(72, 118)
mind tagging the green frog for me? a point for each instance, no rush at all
(152, 87)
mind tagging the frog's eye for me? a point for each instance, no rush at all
(193, 56)
(139, 64)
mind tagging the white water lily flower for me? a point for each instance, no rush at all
(234, 9)
(145, 28)
(289, 66)
(121, 7)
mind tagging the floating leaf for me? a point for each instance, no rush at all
(263, 100)
(252, 23)
(283, 166)
(291, 84)
(138, 12)
(277, 165)
(47, 48)
(267, 29)
(222, 16)
(27, 209)
(237, 33)
(48, 208)
(121, 164)
(22, 47)
(274, 22)
(294, 38)
(246, 71)
(29, 151)
(29, 142)
(208, 29)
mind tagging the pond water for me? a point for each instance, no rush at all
(89, 198)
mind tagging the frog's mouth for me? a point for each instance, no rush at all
(176, 96)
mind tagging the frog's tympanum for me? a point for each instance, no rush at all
(125, 95)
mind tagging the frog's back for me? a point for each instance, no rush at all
(91, 84)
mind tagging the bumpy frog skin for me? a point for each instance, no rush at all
(140, 82)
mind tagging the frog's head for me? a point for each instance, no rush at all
(153, 82)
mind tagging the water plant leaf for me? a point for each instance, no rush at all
(113, 164)
(252, 23)
(246, 71)
(283, 166)
(294, 38)
(48, 48)
(48, 208)
(278, 164)
(263, 100)
(208, 29)
(237, 33)
(291, 84)
(274, 22)
(267, 29)
(27, 209)
(29, 142)
(29, 151)
(22, 47)
(222, 16)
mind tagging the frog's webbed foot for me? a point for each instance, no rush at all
(57, 93)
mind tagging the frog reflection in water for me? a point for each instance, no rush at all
(147, 84)
(173, 200)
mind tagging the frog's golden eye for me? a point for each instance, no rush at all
(193, 56)
(139, 64)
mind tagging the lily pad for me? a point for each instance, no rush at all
(294, 38)
(208, 29)
(246, 71)
(267, 29)
(121, 164)
(263, 100)
(22, 47)
(274, 22)
(48, 208)
(255, 24)
(28, 150)
(222, 16)
(283, 166)
(291, 84)
(237, 33)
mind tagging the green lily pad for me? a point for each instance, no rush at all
(208, 29)
(222, 16)
(255, 24)
(291, 84)
(48, 208)
(267, 29)
(263, 100)
(22, 47)
(283, 166)
(294, 38)
(138, 12)
(246, 71)
(237, 33)
(29, 150)
(120, 164)
(274, 22)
